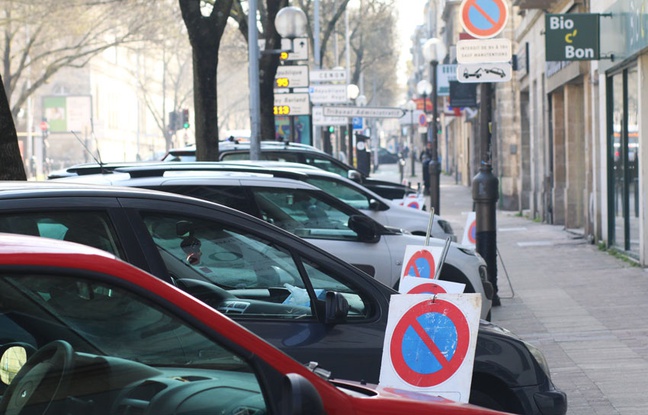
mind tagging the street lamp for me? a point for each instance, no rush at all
(411, 107)
(434, 51)
(290, 22)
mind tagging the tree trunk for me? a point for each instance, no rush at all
(11, 164)
(205, 33)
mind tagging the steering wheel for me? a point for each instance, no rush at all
(44, 378)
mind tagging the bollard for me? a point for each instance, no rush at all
(485, 192)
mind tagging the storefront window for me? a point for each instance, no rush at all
(624, 148)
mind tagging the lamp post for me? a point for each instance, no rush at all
(434, 51)
(411, 107)
(352, 93)
(290, 23)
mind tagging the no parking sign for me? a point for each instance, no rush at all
(430, 344)
(470, 231)
(413, 285)
(421, 261)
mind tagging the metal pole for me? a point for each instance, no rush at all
(253, 75)
(485, 192)
(434, 166)
(411, 144)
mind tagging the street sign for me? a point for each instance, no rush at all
(483, 19)
(572, 37)
(484, 51)
(328, 94)
(484, 72)
(331, 75)
(320, 119)
(298, 46)
(421, 261)
(292, 76)
(291, 104)
(367, 112)
(430, 343)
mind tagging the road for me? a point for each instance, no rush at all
(586, 309)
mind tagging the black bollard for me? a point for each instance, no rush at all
(485, 192)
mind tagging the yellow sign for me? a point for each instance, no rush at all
(281, 110)
(282, 82)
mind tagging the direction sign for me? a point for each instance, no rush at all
(483, 19)
(367, 112)
(484, 72)
(484, 51)
(292, 76)
(328, 75)
(298, 48)
(291, 104)
(328, 94)
(320, 119)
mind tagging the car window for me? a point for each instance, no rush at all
(300, 212)
(251, 277)
(88, 228)
(342, 191)
(151, 350)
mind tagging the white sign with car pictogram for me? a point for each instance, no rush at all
(484, 72)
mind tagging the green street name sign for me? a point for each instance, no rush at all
(572, 37)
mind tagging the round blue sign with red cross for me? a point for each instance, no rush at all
(420, 265)
(483, 19)
(429, 343)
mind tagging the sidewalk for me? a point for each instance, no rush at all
(584, 308)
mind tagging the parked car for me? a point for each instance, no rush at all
(296, 153)
(240, 265)
(383, 210)
(309, 213)
(85, 333)
(387, 157)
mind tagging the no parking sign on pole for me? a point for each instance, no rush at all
(430, 344)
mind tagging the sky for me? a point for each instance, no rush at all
(410, 15)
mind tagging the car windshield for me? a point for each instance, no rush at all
(100, 318)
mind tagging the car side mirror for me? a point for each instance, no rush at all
(355, 175)
(374, 205)
(337, 308)
(300, 397)
(365, 227)
(13, 357)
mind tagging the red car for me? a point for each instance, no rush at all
(83, 332)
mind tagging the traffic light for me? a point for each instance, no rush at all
(185, 118)
(331, 129)
(173, 121)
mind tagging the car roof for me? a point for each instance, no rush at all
(245, 145)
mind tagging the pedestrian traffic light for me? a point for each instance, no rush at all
(185, 118)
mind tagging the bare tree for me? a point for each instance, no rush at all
(167, 43)
(38, 39)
